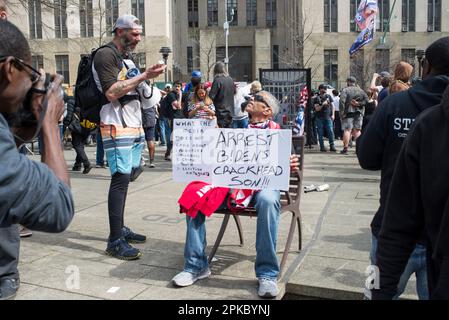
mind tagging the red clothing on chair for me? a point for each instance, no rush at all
(201, 196)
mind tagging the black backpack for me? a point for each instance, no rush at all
(87, 96)
(165, 108)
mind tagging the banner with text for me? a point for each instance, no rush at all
(235, 158)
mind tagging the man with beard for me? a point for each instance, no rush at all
(121, 126)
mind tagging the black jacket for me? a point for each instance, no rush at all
(222, 94)
(418, 200)
(378, 147)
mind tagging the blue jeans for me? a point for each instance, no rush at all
(268, 206)
(326, 124)
(164, 124)
(100, 149)
(240, 124)
(416, 264)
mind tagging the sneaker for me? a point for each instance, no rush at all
(76, 167)
(323, 149)
(268, 288)
(332, 149)
(132, 237)
(185, 278)
(121, 249)
(8, 288)
(344, 151)
(152, 164)
(100, 166)
(167, 157)
(135, 173)
(87, 169)
(24, 232)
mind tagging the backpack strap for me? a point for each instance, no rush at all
(116, 52)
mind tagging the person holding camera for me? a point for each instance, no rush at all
(33, 194)
(325, 114)
(201, 106)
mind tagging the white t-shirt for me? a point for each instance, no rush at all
(336, 102)
(113, 113)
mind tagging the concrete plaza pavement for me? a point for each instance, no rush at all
(332, 264)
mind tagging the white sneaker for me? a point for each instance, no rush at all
(184, 279)
(268, 288)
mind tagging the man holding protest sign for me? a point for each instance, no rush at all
(262, 108)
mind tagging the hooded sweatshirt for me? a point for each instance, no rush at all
(379, 146)
(418, 201)
(30, 194)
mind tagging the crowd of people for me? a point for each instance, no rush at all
(409, 230)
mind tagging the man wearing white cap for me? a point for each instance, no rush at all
(121, 126)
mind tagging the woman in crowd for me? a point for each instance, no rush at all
(401, 77)
(201, 106)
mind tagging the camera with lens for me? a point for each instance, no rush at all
(25, 118)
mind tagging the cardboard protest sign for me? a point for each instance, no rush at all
(235, 158)
(188, 142)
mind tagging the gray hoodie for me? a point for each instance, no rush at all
(30, 194)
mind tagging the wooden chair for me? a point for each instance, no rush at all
(290, 202)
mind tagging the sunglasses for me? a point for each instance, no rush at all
(34, 74)
(260, 98)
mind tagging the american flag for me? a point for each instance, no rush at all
(303, 96)
(365, 13)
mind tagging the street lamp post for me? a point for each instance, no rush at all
(420, 56)
(226, 31)
(165, 52)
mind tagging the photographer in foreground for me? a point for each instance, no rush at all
(33, 194)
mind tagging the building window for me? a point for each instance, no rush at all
(212, 12)
(138, 10)
(60, 7)
(275, 58)
(192, 7)
(62, 67)
(409, 55)
(408, 15)
(330, 16)
(357, 63)
(37, 62)
(189, 59)
(86, 18)
(251, 12)
(240, 62)
(382, 60)
(434, 15)
(383, 16)
(35, 19)
(354, 5)
(111, 13)
(331, 67)
(271, 13)
(232, 5)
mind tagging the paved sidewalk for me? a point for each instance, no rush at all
(336, 240)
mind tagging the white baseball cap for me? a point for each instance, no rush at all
(127, 21)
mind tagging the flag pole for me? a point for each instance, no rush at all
(382, 39)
